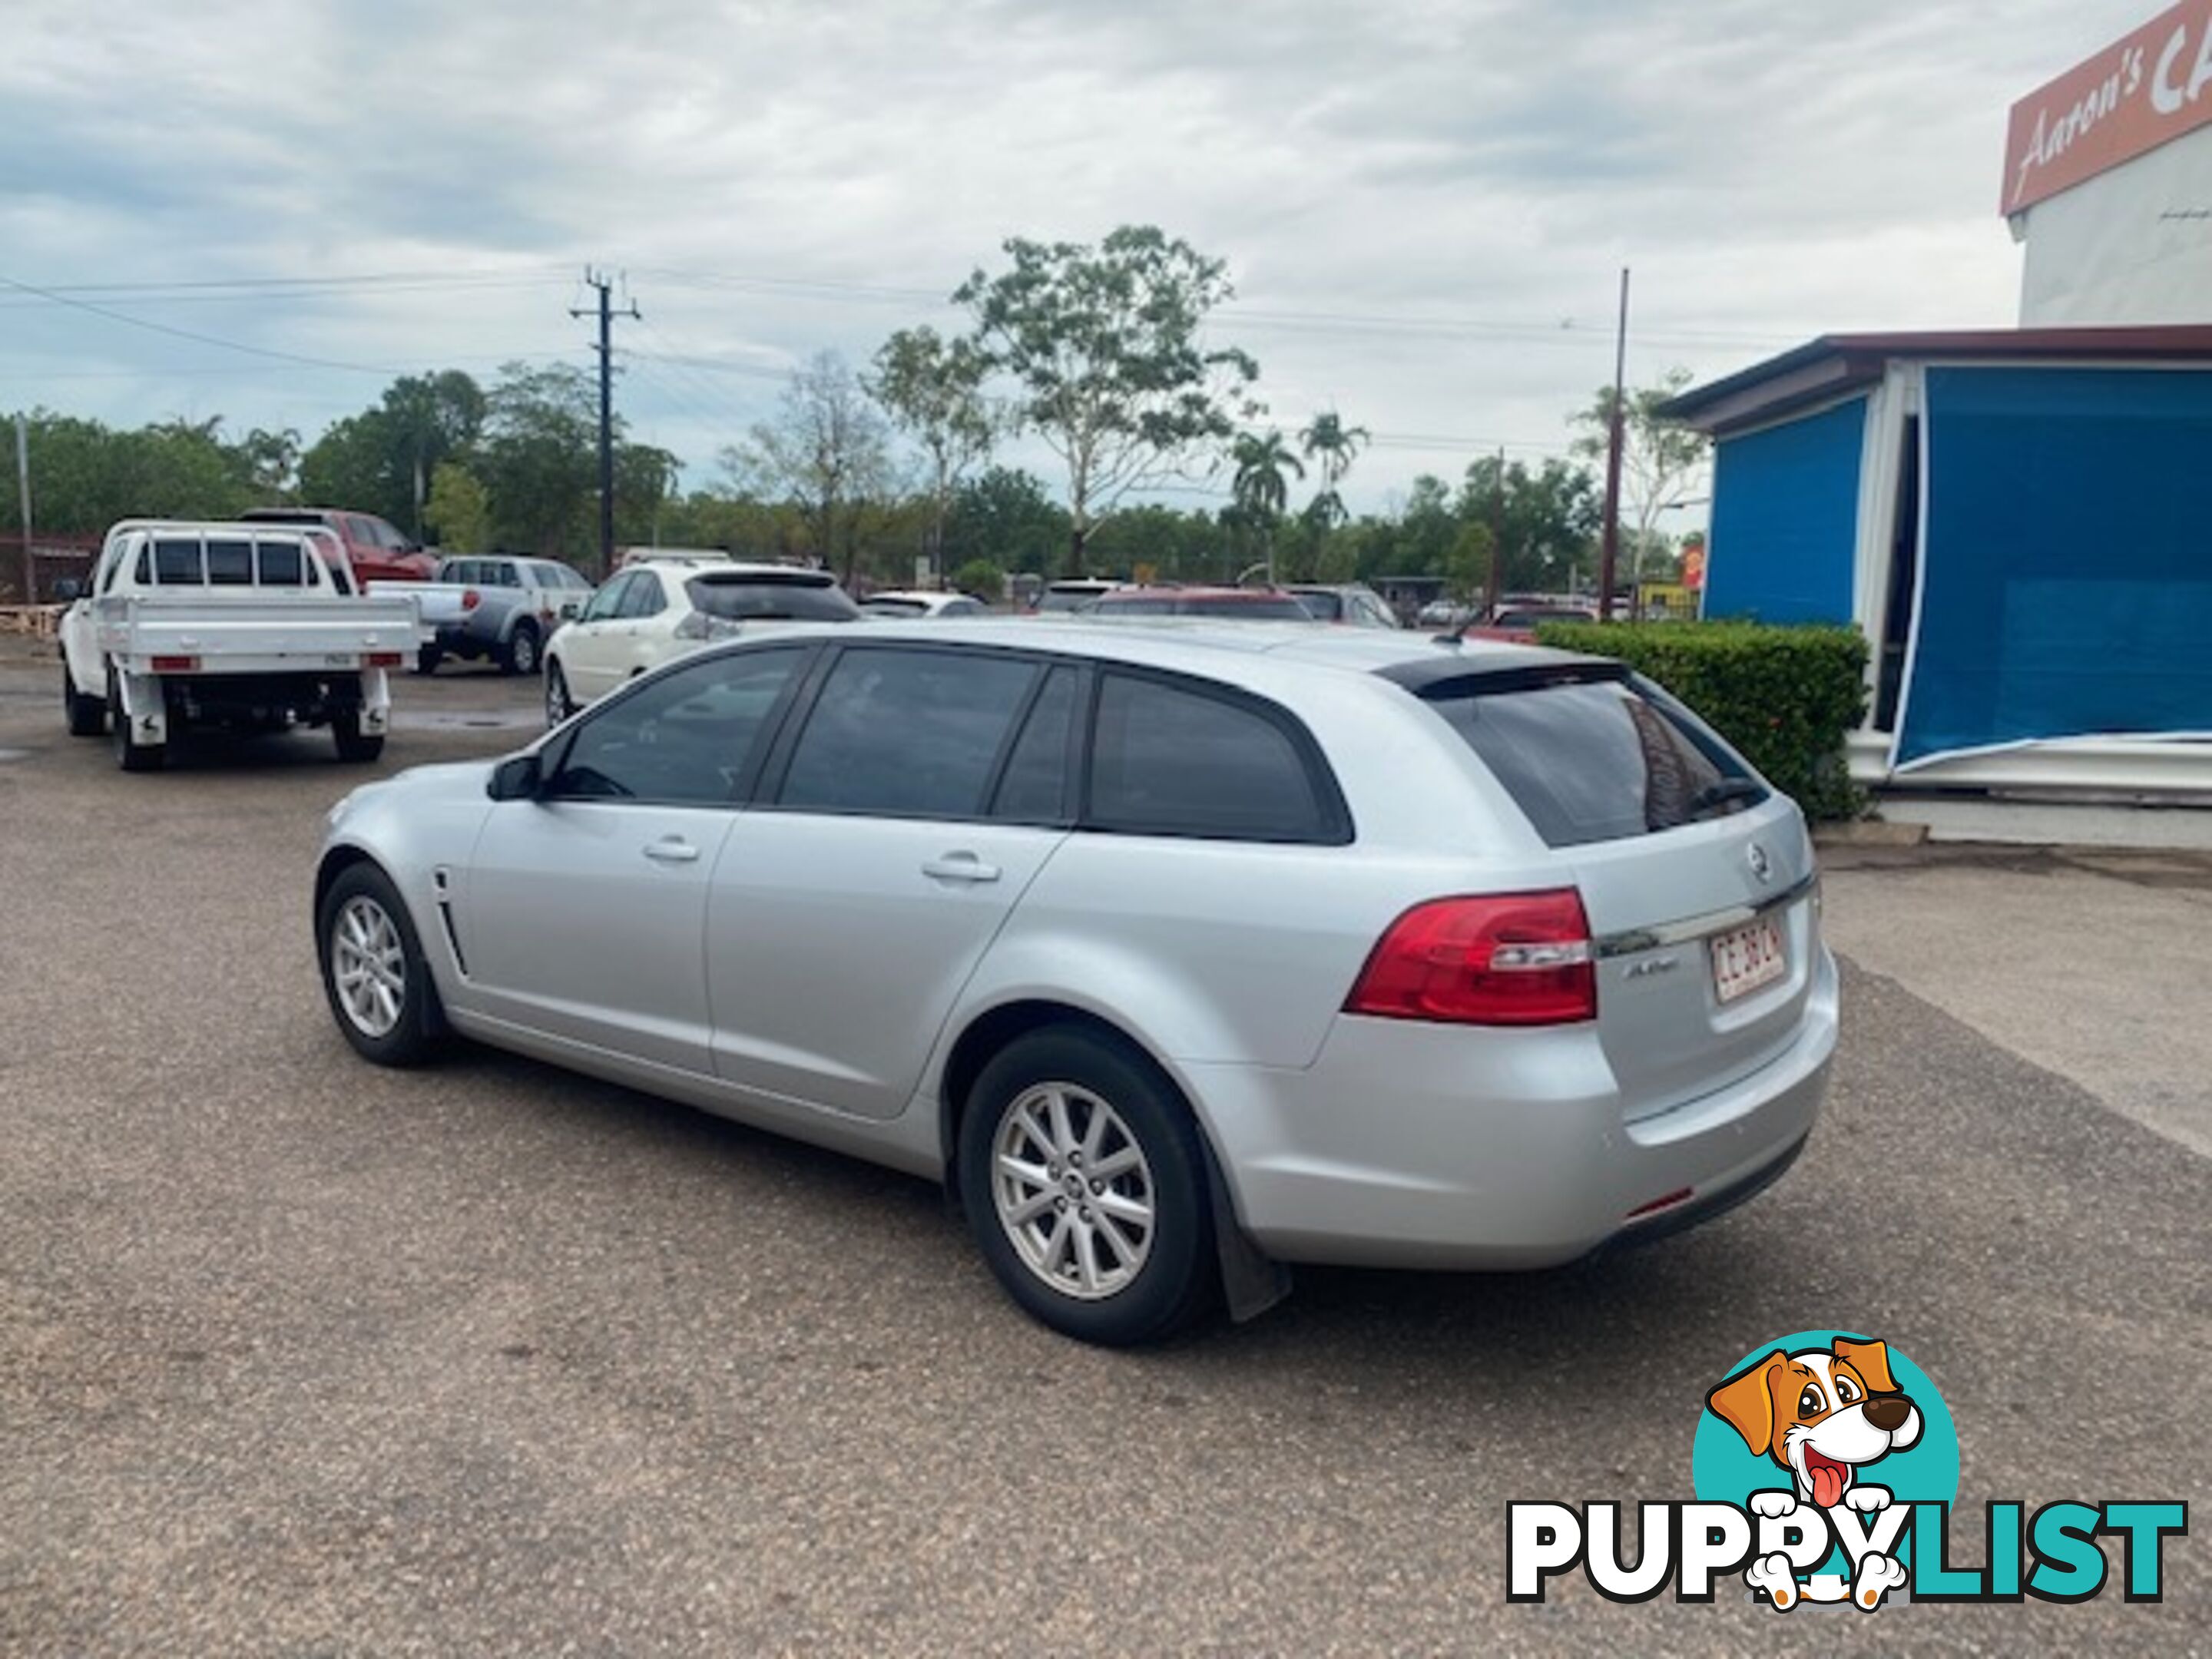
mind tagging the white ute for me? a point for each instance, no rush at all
(254, 628)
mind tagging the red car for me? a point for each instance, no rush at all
(1517, 622)
(1234, 604)
(377, 550)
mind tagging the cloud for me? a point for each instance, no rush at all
(1425, 203)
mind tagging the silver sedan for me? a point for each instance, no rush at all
(1180, 956)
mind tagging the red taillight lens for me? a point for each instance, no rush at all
(1506, 959)
(381, 659)
(471, 598)
(176, 665)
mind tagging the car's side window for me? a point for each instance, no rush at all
(115, 562)
(608, 599)
(688, 736)
(907, 733)
(1172, 760)
(1033, 788)
(644, 598)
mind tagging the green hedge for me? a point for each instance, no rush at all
(1785, 696)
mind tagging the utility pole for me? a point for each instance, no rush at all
(23, 495)
(1609, 545)
(607, 314)
(1492, 590)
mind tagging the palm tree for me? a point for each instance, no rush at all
(1328, 441)
(1260, 488)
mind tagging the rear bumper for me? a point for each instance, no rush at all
(1411, 1147)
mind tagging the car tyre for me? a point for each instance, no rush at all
(426, 659)
(374, 976)
(558, 703)
(130, 755)
(355, 745)
(521, 656)
(88, 716)
(1119, 1254)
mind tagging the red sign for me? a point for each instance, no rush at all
(1693, 565)
(2133, 96)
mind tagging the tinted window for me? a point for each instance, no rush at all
(499, 572)
(798, 597)
(229, 565)
(281, 564)
(688, 736)
(1322, 607)
(963, 608)
(894, 607)
(644, 598)
(1598, 761)
(1060, 598)
(176, 562)
(1167, 761)
(910, 734)
(1033, 787)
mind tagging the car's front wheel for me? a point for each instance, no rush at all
(522, 653)
(1082, 1174)
(378, 986)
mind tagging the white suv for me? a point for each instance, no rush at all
(660, 605)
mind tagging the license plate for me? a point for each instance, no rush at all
(339, 659)
(1746, 958)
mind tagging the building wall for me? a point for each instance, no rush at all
(2131, 245)
(1782, 547)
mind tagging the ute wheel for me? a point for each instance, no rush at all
(558, 704)
(521, 656)
(1083, 1176)
(353, 744)
(426, 659)
(129, 755)
(87, 716)
(378, 986)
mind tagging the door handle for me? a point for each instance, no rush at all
(960, 867)
(671, 849)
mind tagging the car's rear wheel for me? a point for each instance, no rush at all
(129, 754)
(521, 657)
(87, 716)
(355, 745)
(378, 986)
(1083, 1176)
(426, 659)
(558, 704)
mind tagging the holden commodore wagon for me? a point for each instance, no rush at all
(1179, 957)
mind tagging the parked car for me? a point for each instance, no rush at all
(1178, 956)
(1354, 604)
(1518, 623)
(1071, 594)
(1222, 604)
(249, 627)
(660, 605)
(1443, 613)
(494, 606)
(376, 550)
(908, 605)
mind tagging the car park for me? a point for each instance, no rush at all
(895, 602)
(661, 605)
(1178, 956)
(495, 607)
(248, 627)
(1352, 604)
(375, 548)
(1255, 605)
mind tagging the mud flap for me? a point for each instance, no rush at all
(1251, 1281)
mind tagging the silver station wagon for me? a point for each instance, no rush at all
(1180, 954)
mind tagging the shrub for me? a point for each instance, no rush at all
(981, 578)
(1787, 697)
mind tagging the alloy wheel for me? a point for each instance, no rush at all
(369, 964)
(1072, 1190)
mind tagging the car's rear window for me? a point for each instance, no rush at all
(1596, 759)
(1267, 609)
(895, 607)
(1322, 607)
(802, 596)
(177, 563)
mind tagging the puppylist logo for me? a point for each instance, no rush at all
(1824, 1467)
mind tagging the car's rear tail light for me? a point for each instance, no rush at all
(701, 626)
(381, 659)
(176, 665)
(471, 598)
(1504, 959)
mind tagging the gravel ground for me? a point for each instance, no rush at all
(301, 1357)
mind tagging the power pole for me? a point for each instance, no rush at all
(23, 495)
(607, 314)
(1493, 589)
(1609, 546)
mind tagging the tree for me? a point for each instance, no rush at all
(827, 450)
(981, 578)
(1658, 459)
(1550, 516)
(1259, 486)
(382, 459)
(539, 460)
(459, 510)
(1102, 347)
(933, 388)
(1332, 446)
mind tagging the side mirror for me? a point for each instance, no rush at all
(516, 778)
(68, 590)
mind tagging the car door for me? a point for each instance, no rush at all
(900, 824)
(583, 910)
(588, 645)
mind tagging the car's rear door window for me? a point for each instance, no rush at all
(691, 736)
(1168, 759)
(1598, 758)
(907, 733)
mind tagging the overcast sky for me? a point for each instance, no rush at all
(1425, 206)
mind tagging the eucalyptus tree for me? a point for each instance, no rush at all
(933, 390)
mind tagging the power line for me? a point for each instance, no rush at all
(129, 321)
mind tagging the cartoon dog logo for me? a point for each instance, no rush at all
(1823, 1414)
